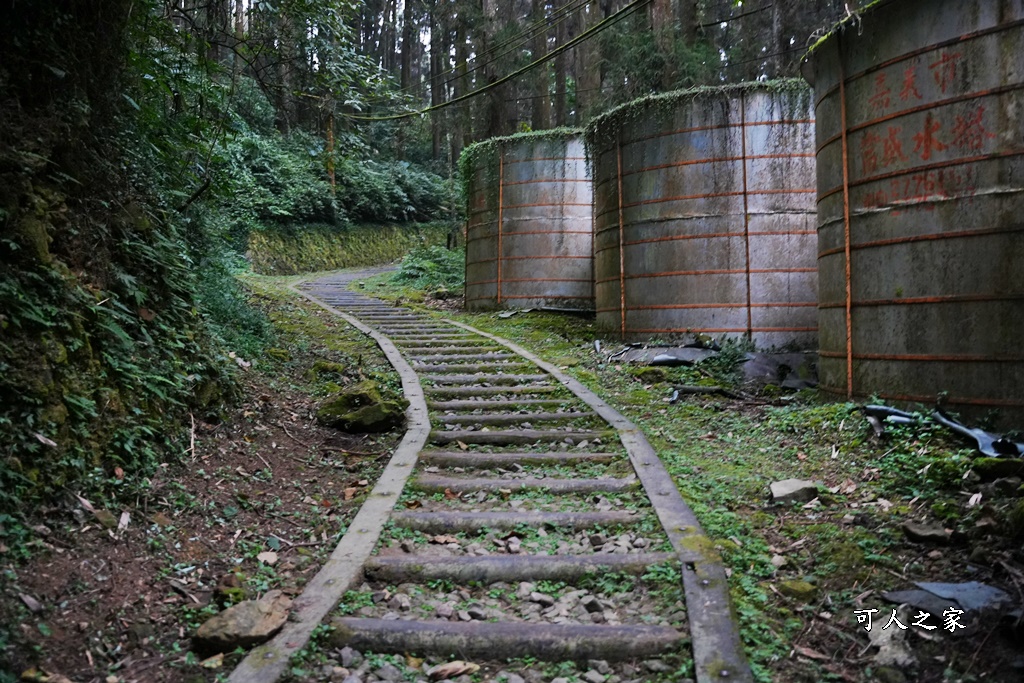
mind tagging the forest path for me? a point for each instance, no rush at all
(519, 490)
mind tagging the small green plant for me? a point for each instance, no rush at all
(432, 268)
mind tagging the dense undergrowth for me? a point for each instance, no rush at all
(137, 166)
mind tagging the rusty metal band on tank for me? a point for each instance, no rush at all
(920, 137)
(529, 233)
(704, 215)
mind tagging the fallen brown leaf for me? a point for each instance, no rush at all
(443, 672)
(214, 662)
(810, 654)
(450, 495)
(444, 538)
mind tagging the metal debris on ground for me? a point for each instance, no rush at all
(987, 443)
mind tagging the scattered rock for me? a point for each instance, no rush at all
(778, 561)
(350, 658)
(891, 643)
(794, 490)
(360, 409)
(888, 674)
(798, 590)
(593, 677)
(162, 520)
(1015, 521)
(541, 599)
(278, 354)
(591, 604)
(1007, 485)
(401, 602)
(106, 519)
(651, 376)
(926, 533)
(245, 624)
(656, 666)
(324, 367)
(791, 370)
(389, 672)
(990, 469)
(33, 605)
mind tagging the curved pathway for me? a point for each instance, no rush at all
(498, 439)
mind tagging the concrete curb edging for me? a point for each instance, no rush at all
(266, 663)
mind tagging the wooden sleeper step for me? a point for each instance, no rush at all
(488, 569)
(429, 483)
(450, 522)
(483, 640)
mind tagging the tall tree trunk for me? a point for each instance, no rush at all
(776, 44)
(561, 67)
(285, 73)
(663, 16)
(236, 61)
(495, 96)
(435, 81)
(407, 47)
(688, 20)
(387, 43)
(461, 133)
(588, 62)
(540, 112)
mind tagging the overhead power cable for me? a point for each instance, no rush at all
(521, 38)
(527, 37)
(736, 16)
(593, 30)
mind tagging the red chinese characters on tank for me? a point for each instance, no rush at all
(886, 149)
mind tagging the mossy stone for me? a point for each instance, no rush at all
(360, 409)
(32, 233)
(990, 469)
(279, 354)
(1015, 521)
(888, 674)
(324, 367)
(798, 590)
(56, 413)
(651, 375)
(106, 518)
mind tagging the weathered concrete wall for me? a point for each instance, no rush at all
(713, 230)
(932, 297)
(529, 233)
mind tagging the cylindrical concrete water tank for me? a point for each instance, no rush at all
(704, 215)
(920, 127)
(529, 229)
